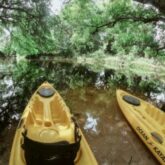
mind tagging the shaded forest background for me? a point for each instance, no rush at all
(83, 27)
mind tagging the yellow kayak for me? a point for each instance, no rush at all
(147, 121)
(47, 134)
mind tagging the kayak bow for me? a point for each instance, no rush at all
(47, 133)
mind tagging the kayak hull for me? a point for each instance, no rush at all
(46, 119)
(146, 120)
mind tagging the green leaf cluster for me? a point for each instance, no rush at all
(116, 27)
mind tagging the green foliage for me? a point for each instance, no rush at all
(112, 27)
(80, 16)
(117, 27)
(129, 39)
(61, 74)
(21, 44)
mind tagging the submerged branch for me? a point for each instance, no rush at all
(130, 161)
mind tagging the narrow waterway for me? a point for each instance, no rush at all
(91, 97)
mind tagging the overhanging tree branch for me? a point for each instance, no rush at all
(129, 18)
(15, 10)
(9, 10)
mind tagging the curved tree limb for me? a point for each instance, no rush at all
(129, 18)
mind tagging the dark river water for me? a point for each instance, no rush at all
(91, 97)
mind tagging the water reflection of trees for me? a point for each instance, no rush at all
(28, 75)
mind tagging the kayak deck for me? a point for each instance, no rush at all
(147, 121)
(46, 120)
(49, 120)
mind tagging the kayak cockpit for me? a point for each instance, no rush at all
(47, 112)
(48, 118)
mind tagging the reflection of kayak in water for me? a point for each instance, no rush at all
(147, 121)
(48, 135)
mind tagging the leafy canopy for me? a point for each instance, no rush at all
(113, 27)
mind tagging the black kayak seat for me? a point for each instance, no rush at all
(131, 100)
(58, 153)
(46, 92)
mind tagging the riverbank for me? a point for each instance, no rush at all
(126, 65)
(106, 61)
(141, 66)
(127, 62)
